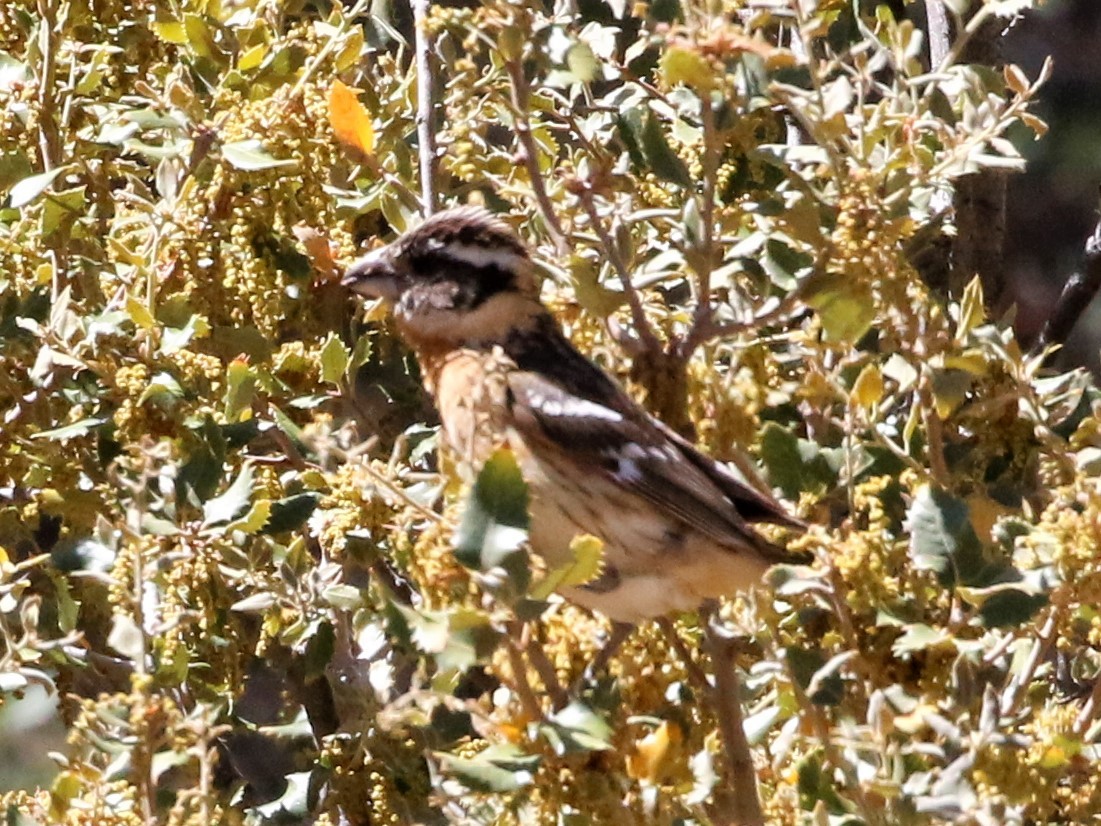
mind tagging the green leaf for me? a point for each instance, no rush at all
(202, 471)
(942, 538)
(495, 522)
(687, 66)
(629, 123)
(14, 167)
(250, 155)
(1012, 601)
(794, 465)
(844, 306)
(240, 389)
(577, 729)
(661, 159)
(334, 360)
(500, 768)
(171, 31)
(163, 389)
(255, 603)
(175, 338)
(819, 678)
(226, 507)
(816, 785)
(292, 805)
(919, 637)
(70, 431)
(582, 62)
(126, 637)
(343, 597)
(289, 513)
(950, 389)
(1010, 607)
(256, 518)
(139, 313)
(588, 558)
(30, 188)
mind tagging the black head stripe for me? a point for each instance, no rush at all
(473, 284)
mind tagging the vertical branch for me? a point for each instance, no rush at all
(934, 433)
(702, 321)
(49, 143)
(49, 138)
(745, 804)
(979, 246)
(426, 108)
(940, 32)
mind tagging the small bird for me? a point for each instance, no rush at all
(675, 524)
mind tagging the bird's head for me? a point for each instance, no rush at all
(460, 278)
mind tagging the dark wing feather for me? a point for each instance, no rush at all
(753, 505)
(612, 436)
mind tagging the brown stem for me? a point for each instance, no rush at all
(701, 318)
(49, 142)
(544, 668)
(696, 675)
(426, 103)
(744, 804)
(1041, 646)
(521, 684)
(940, 32)
(643, 329)
(934, 432)
(529, 153)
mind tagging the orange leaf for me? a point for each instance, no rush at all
(350, 120)
(318, 250)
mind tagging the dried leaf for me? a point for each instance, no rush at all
(350, 120)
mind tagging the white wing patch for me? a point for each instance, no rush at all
(572, 407)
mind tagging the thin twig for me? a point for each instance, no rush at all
(1090, 711)
(521, 684)
(544, 668)
(696, 675)
(48, 139)
(643, 330)
(426, 108)
(934, 432)
(701, 318)
(529, 153)
(1040, 647)
(616, 637)
(359, 8)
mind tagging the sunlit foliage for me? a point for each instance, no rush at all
(225, 537)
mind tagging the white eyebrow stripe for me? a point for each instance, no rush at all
(477, 256)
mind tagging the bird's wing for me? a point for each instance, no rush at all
(616, 439)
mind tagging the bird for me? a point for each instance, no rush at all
(676, 525)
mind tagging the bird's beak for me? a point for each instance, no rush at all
(374, 276)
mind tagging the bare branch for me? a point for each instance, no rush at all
(426, 108)
(744, 802)
(529, 153)
(643, 330)
(940, 32)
